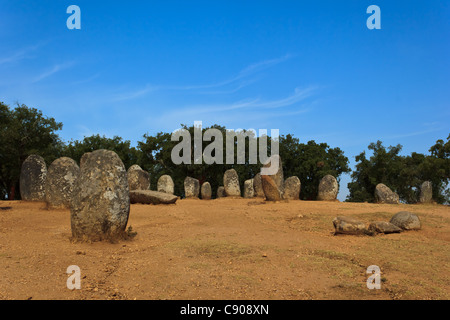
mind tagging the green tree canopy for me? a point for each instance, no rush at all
(129, 155)
(403, 174)
(311, 162)
(24, 131)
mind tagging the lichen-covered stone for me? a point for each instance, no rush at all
(274, 162)
(426, 192)
(348, 225)
(249, 191)
(100, 203)
(83, 158)
(151, 197)
(384, 227)
(328, 188)
(292, 187)
(231, 183)
(406, 220)
(271, 190)
(138, 179)
(257, 184)
(32, 178)
(221, 192)
(278, 175)
(385, 195)
(165, 184)
(206, 191)
(191, 187)
(61, 177)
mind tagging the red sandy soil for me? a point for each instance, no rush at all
(226, 249)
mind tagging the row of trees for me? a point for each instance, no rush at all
(25, 131)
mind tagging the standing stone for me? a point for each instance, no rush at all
(221, 192)
(277, 178)
(32, 178)
(191, 187)
(249, 191)
(328, 188)
(257, 184)
(138, 179)
(406, 221)
(61, 177)
(348, 225)
(100, 199)
(231, 183)
(165, 184)
(426, 192)
(271, 189)
(292, 187)
(83, 158)
(206, 191)
(385, 195)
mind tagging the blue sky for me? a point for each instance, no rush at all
(310, 68)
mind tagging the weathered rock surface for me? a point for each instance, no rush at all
(384, 227)
(151, 197)
(165, 184)
(277, 177)
(221, 192)
(271, 190)
(257, 184)
(249, 191)
(32, 178)
(385, 195)
(231, 183)
(406, 220)
(191, 187)
(426, 192)
(61, 177)
(138, 179)
(292, 187)
(100, 203)
(206, 191)
(348, 225)
(83, 158)
(328, 188)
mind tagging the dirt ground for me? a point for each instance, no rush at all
(226, 249)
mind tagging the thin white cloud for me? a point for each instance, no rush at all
(297, 96)
(246, 72)
(411, 134)
(55, 69)
(134, 94)
(239, 79)
(19, 55)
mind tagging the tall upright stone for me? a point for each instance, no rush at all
(32, 178)
(61, 177)
(385, 195)
(257, 184)
(138, 179)
(191, 187)
(100, 203)
(292, 187)
(165, 184)
(249, 191)
(328, 188)
(277, 177)
(271, 190)
(231, 183)
(426, 192)
(206, 191)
